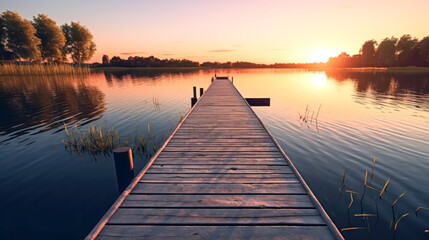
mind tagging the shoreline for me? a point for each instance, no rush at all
(408, 69)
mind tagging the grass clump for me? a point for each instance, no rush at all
(103, 139)
(13, 69)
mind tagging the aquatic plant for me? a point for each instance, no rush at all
(103, 139)
(376, 196)
(305, 118)
(11, 69)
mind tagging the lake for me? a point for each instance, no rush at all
(330, 123)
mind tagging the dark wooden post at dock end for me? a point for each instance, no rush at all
(201, 91)
(194, 99)
(124, 166)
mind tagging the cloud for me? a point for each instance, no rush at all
(168, 54)
(132, 53)
(221, 50)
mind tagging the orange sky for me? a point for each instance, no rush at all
(236, 30)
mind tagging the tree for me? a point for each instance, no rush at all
(4, 54)
(386, 52)
(21, 40)
(406, 50)
(105, 59)
(78, 42)
(368, 53)
(423, 52)
(51, 36)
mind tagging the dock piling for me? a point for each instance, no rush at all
(194, 98)
(124, 166)
(201, 91)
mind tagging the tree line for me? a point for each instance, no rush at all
(43, 40)
(390, 52)
(150, 61)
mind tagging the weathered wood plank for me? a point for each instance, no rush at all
(222, 154)
(219, 148)
(221, 159)
(221, 176)
(218, 201)
(215, 232)
(219, 144)
(184, 161)
(198, 216)
(213, 141)
(223, 167)
(217, 171)
(221, 188)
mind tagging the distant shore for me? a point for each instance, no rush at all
(410, 69)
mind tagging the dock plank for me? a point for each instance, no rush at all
(218, 201)
(221, 175)
(215, 232)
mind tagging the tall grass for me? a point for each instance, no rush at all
(103, 139)
(12, 69)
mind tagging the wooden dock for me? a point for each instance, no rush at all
(221, 175)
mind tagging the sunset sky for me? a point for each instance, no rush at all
(266, 31)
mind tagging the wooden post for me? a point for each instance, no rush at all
(124, 167)
(212, 79)
(194, 98)
(232, 80)
(193, 101)
(201, 91)
(215, 76)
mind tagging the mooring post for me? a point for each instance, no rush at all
(194, 99)
(232, 80)
(201, 91)
(215, 76)
(124, 166)
(212, 79)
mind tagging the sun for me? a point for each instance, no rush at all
(321, 55)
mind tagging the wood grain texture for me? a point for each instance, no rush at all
(221, 188)
(220, 176)
(201, 216)
(216, 232)
(218, 201)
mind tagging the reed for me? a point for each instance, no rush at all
(420, 208)
(103, 139)
(377, 197)
(350, 228)
(305, 118)
(365, 215)
(396, 224)
(394, 203)
(385, 186)
(12, 69)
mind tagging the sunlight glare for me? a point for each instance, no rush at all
(320, 79)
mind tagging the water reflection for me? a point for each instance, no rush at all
(41, 103)
(402, 90)
(384, 83)
(138, 74)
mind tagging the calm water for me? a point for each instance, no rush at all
(48, 193)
